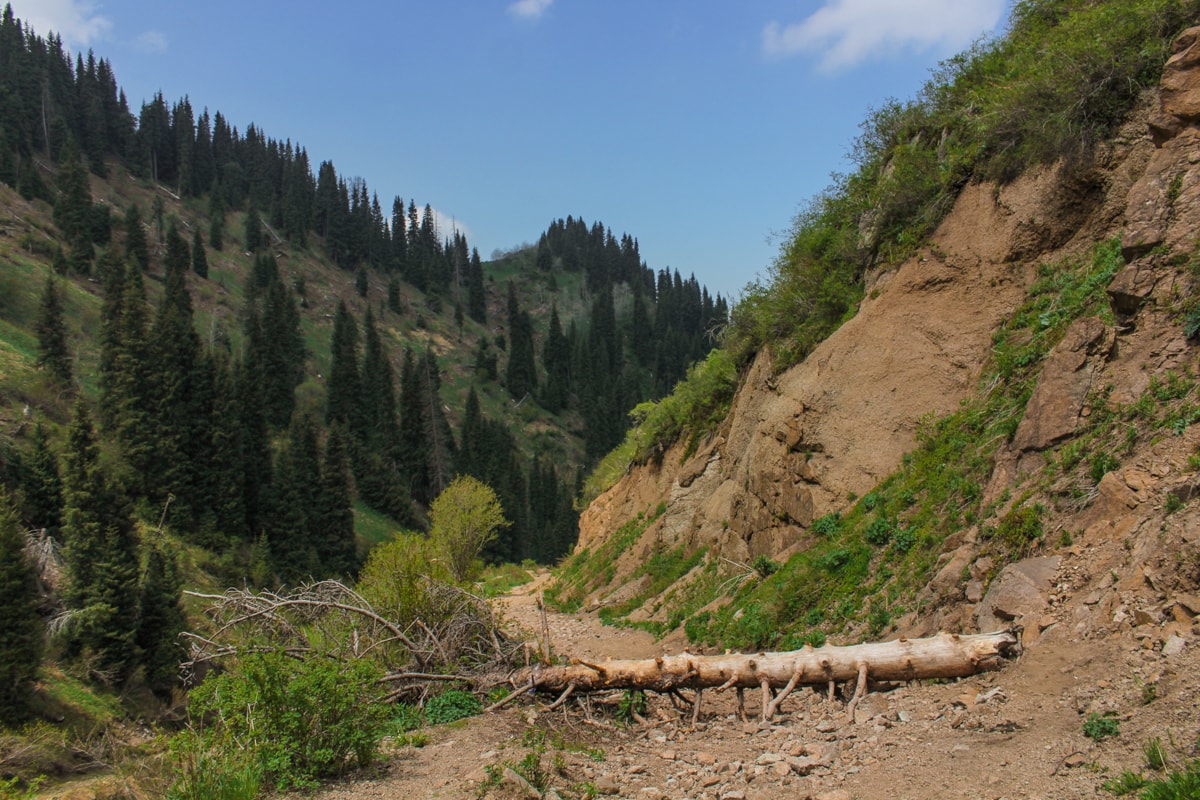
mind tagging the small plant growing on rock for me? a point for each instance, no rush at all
(764, 566)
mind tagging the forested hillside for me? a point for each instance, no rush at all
(221, 363)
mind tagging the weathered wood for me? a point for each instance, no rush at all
(946, 655)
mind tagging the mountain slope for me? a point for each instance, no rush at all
(1021, 386)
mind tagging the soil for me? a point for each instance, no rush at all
(1017, 733)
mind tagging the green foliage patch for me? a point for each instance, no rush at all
(299, 720)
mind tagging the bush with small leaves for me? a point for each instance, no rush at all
(451, 705)
(1099, 727)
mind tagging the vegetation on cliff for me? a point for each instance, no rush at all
(1062, 79)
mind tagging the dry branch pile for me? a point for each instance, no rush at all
(462, 641)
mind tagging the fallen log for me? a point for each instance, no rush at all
(946, 655)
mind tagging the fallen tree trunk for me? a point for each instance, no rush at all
(944, 656)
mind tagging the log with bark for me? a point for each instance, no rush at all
(946, 655)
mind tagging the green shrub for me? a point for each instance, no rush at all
(633, 702)
(903, 540)
(1125, 783)
(879, 532)
(1099, 727)
(764, 566)
(1182, 784)
(301, 720)
(452, 705)
(828, 525)
(1021, 526)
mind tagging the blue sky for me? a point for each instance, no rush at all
(699, 127)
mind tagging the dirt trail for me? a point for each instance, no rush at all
(575, 635)
(1012, 734)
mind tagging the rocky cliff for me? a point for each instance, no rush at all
(808, 441)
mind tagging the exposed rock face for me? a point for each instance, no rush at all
(796, 444)
(1053, 412)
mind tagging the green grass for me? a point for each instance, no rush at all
(371, 526)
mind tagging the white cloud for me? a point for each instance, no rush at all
(76, 21)
(529, 9)
(154, 42)
(844, 33)
(446, 225)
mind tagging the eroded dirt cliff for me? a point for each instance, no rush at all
(805, 442)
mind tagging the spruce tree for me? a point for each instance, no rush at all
(199, 259)
(252, 231)
(216, 220)
(53, 353)
(22, 631)
(100, 557)
(136, 246)
(345, 382)
(556, 358)
(41, 484)
(334, 518)
(160, 621)
(521, 375)
(179, 256)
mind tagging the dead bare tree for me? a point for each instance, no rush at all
(328, 619)
(778, 674)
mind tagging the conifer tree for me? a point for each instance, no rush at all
(521, 375)
(136, 246)
(252, 231)
(22, 632)
(100, 558)
(178, 257)
(41, 484)
(216, 220)
(477, 296)
(199, 259)
(393, 295)
(181, 409)
(345, 382)
(160, 621)
(53, 353)
(73, 208)
(556, 358)
(334, 518)
(228, 451)
(296, 490)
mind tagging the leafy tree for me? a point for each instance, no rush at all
(21, 635)
(463, 519)
(53, 354)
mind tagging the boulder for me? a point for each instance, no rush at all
(1018, 592)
